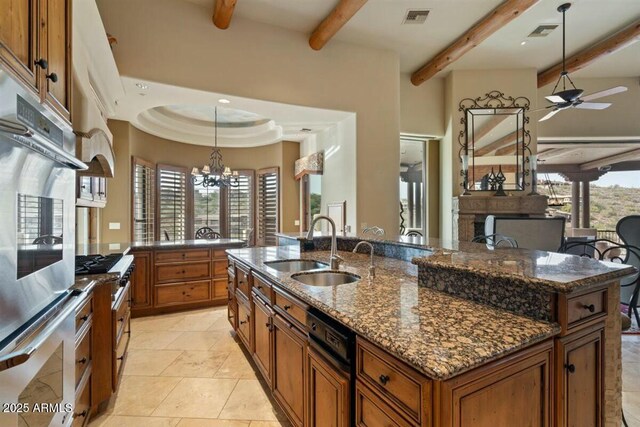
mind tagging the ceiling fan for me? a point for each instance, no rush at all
(572, 97)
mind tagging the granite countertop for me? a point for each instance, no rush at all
(440, 335)
(185, 244)
(548, 271)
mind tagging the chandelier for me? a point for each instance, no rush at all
(215, 174)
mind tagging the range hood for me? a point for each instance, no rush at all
(94, 148)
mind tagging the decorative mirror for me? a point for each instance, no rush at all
(309, 171)
(494, 143)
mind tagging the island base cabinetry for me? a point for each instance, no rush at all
(328, 397)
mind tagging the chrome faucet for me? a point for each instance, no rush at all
(335, 259)
(372, 269)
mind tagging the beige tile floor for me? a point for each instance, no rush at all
(186, 370)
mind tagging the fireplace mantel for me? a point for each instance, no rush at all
(467, 210)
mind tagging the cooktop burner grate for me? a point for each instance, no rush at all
(96, 264)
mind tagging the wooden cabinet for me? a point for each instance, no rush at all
(372, 411)
(35, 46)
(141, 280)
(579, 379)
(244, 322)
(120, 333)
(243, 280)
(182, 293)
(263, 337)
(290, 359)
(328, 394)
(91, 191)
(83, 363)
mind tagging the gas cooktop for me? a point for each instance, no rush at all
(96, 264)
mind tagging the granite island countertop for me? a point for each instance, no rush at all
(438, 334)
(125, 247)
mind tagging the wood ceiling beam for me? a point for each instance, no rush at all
(505, 151)
(620, 40)
(505, 140)
(610, 160)
(498, 18)
(488, 127)
(222, 13)
(339, 16)
(478, 171)
(556, 152)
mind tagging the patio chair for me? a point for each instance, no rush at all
(212, 235)
(413, 233)
(543, 234)
(202, 231)
(628, 228)
(496, 240)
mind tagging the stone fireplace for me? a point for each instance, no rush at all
(470, 212)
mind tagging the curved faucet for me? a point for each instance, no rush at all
(372, 269)
(335, 259)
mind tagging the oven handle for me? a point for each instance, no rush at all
(19, 357)
(14, 128)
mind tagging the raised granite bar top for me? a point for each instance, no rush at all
(438, 334)
(548, 271)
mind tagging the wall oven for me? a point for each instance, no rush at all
(37, 251)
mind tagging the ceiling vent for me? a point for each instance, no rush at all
(543, 30)
(416, 16)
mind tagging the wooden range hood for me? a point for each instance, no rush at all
(94, 148)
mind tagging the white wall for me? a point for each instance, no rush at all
(422, 107)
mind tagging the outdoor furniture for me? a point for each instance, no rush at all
(628, 229)
(202, 231)
(413, 233)
(544, 234)
(47, 239)
(212, 235)
(496, 240)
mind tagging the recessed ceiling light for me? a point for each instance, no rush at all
(142, 86)
(224, 101)
(522, 43)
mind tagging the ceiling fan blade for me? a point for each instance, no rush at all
(549, 115)
(555, 99)
(604, 93)
(593, 105)
(542, 109)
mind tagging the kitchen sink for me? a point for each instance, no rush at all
(326, 278)
(295, 265)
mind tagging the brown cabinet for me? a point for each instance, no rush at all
(83, 363)
(91, 191)
(35, 46)
(182, 293)
(243, 280)
(141, 280)
(289, 376)
(579, 379)
(328, 394)
(263, 337)
(372, 411)
(121, 333)
(244, 321)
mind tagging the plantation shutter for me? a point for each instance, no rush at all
(268, 204)
(172, 203)
(144, 200)
(240, 208)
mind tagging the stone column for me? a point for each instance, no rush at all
(586, 205)
(575, 204)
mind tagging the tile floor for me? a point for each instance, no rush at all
(186, 370)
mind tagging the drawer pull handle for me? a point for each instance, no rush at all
(82, 361)
(571, 368)
(590, 307)
(121, 357)
(121, 319)
(260, 287)
(85, 318)
(384, 379)
(314, 326)
(80, 414)
(183, 271)
(286, 307)
(242, 322)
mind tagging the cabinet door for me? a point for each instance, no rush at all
(99, 188)
(55, 47)
(244, 323)
(328, 391)
(18, 38)
(141, 280)
(85, 188)
(289, 376)
(579, 376)
(263, 338)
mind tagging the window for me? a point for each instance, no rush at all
(268, 204)
(240, 208)
(172, 203)
(144, 200)
(207, 202)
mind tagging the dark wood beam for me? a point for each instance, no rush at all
(222, 13)
(498, 18)
(594, 52)
(505, 151)
(488, 127)
(339, 16)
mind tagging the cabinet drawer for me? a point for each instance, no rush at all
(395, 382)
(220, 288)
(292, 308)
(371, 411)
(586, 307)
(183, 255)
(243, 281)
(262, 288)
(220, 253)
(83, 355)
(119, 356)
(84, 313)
(83, 406)
(220, 267)
(183, 271)
(244, 322)
(232, 313)
(121, 313)
(181, 293)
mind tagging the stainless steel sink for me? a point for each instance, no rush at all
(325, 278)
(295, 265)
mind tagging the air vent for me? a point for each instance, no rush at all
(416, 16)
(543, 30)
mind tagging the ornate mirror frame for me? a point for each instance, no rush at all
(495, 100)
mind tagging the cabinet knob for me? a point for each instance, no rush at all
(314, 326)
(286, 307)
(53, 77)
(42, 63)
(589, 307)
(384, 379)
(121, 357)
(80, 414)
(85, 318)
(121, 319)
(571, 368)
(259, 287)
(82, 361)
(242, 322)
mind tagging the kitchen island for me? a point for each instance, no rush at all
(428, 356)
